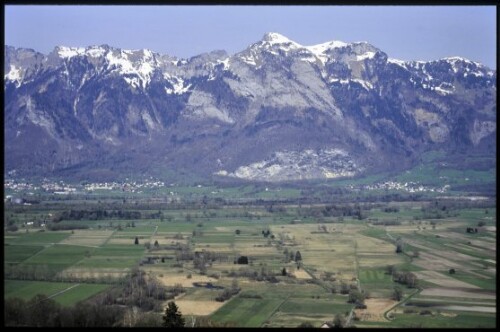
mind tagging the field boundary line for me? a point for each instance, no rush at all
(417, 291)
(38, 252)
(156, 230)
(78, 245)
(275, 309)
(63, 291)
(107, 240)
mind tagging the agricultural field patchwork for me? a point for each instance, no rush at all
(281, 266)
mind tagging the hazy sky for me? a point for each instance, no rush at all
(403, 32)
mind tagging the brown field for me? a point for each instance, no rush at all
(469, 308)
(434, 263)
(467, 247)
(92, 274)
(402, 229)
(444, 253)
(165, 240)
(197, 308)
(375, 308)
(376, 260)
(87, 238)
(485, 244)
(442, 280)
(172, 279)
(371, 245)
(492, 270)
(117, 240)
(475, 274)
(450, 292)
(448, 314)
(301, 274)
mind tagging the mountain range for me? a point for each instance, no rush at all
(276, 111)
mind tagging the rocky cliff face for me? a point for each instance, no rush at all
(276, 111)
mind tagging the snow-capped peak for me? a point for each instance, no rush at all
(456, 58)
(93, 51)
(275, 38)
(322, 48)
(397, 62)
(69, 52)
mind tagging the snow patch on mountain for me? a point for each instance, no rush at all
(14, 74)
(69, 52)
(274, 38)
(143, 68)
(400, 63)
(364, 56)
(178, 85)
(320, 49)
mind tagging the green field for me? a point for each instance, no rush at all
(376, 281)
(238, 310)
(28, 289)
(463, 320)
(37, 238)
(306, 307)
(64, 293)
(19, 253)
(79, 293)
(59, 257)
(113, 256)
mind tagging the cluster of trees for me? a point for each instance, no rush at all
(201, 259)
(399, 245)
(267, 233)
(335, 210)
(291, 256)
(386, 223)
(227, 293)
(438, 210)
(172, 317)
(65, 227)
(28, 272)
(263, 274)
(339, 321)
(276, 209)
(43, 272)
(471, 230)
(97, 214)
(397, 294)
(241, 260)
(407, 278)
(345, 288)
(205, 258)
(145, 292)
(12, 228)
(42, 311)
(358, 298)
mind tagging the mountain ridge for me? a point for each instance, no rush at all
(107, 108)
